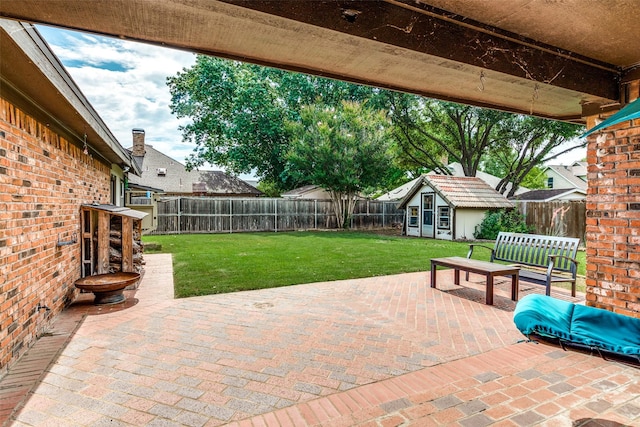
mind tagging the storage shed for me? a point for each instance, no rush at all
(449, 207)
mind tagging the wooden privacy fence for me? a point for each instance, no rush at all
(566, 219)
(231, 215)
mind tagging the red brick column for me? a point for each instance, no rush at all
(613, 219)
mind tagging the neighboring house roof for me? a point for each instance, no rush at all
(252, 182)
(579, 169)
(134, 186)
(311, 192)
(460, 192)
(301, 192)
(566, 173)
(161, 171)
(551, 194)
(399, 192)
(30, 71)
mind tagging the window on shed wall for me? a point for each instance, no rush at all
(550, 182)
(413, 216)
(443, 217)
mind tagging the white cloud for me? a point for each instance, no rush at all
(126, 84)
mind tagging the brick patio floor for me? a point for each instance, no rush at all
(383, 351)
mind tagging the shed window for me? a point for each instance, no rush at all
(443, 217)
(550, 182)
(413, 216)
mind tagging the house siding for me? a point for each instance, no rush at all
(44, 179)
(416, 200)
(466, 203)
(613, 219)
(466, 222)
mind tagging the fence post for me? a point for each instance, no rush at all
(230, 216)
(315, 214)
(275, 213)
(179, 213)
(384, 205)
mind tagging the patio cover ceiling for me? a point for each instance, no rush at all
(556, 59)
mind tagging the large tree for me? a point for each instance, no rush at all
(238, 112)
(530, 143)
(431, 134)
(343, 149)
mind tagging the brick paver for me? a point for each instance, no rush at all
(378, 351)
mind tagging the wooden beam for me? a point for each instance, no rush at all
(127, 244)
(102, 266)
(422, 28)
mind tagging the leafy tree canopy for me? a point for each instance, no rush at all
(494, 165)
(430, 134)
(238, 112)
(343, 149)
(529, 143)
(238, 115)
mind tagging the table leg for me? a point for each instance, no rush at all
(456, 276)
(489, 299)
(433, 274)
(514, 286)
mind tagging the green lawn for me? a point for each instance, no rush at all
(217, 263)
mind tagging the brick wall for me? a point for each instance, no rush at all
(613, 219)
(43, 181)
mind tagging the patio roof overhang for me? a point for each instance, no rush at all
(560, 60)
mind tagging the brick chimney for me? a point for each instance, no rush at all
(138, 143)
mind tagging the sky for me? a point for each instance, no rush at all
(125, 82)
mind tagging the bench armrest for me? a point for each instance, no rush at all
(471, 246)
(552, 261)
(573, 260)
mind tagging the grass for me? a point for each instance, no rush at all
(206, 264)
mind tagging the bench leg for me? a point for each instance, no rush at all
(514, 287)
(456, 276)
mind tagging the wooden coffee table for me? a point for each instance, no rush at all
(488, 269)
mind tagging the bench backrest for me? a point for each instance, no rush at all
(534, 249)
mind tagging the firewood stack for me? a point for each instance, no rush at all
(115, 245)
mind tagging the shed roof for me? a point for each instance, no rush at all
(461, 192)
(116, 210)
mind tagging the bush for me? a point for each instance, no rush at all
(502, 220)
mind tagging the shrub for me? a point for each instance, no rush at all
(501, 220)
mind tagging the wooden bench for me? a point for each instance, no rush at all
(555, 254)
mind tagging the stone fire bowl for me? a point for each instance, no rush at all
(107, 288)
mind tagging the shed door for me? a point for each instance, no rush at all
(427, 215)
